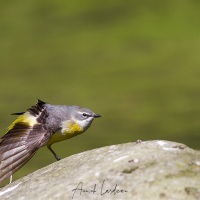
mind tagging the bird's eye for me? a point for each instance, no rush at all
(85, 115)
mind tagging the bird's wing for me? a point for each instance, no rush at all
(24, 137)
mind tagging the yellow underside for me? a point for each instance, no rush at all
(70, 131)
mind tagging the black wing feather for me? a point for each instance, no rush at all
(19, 145)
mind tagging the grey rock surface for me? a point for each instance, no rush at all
(148, 170)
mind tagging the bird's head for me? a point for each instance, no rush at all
(78, 120)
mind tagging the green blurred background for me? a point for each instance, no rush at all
(136, 62)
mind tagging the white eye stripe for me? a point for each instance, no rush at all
(85, 114)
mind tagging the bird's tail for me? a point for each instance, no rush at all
(13, 155)
(24, 137)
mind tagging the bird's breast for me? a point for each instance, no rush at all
(68, 130)
(71, 127)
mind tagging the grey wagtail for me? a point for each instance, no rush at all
(41, 125)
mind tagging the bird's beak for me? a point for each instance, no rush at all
(97, 116)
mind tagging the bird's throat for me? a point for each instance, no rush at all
(68, 131)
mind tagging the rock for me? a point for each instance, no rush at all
(143, 170)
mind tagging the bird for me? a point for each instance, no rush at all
(41, 125)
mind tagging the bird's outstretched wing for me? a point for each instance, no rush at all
(24, 137)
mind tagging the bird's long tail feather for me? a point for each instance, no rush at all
(24, 137)
(13, 155)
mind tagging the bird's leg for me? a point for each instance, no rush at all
(52, 151)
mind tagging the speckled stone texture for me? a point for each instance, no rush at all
(150, 170)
